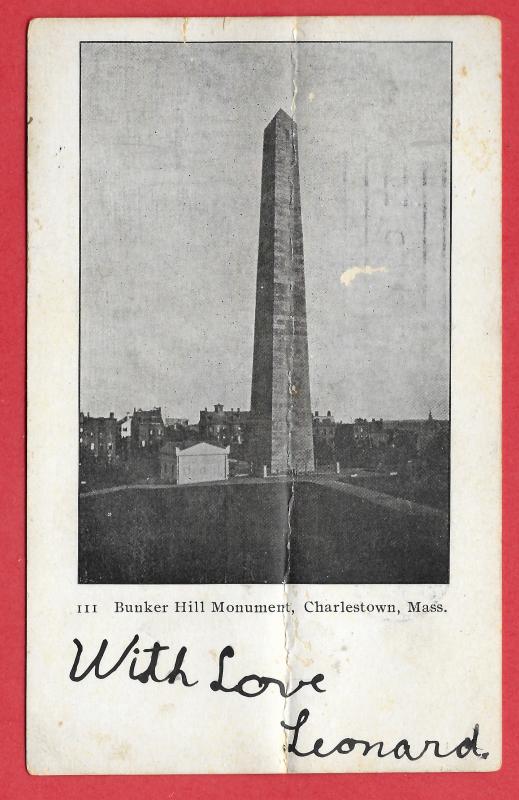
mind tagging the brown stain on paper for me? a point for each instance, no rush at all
(480, 151)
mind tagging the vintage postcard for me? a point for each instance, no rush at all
(264, 321)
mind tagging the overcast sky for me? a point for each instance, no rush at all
(171, 175)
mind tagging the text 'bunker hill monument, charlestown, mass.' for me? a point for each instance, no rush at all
(281, 416)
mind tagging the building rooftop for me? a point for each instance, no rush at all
(203, 449)
(151, 415)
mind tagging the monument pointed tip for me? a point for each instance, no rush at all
(282, 119)
(282, 114)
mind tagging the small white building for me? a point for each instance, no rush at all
(197, 464)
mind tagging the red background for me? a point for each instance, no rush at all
(16, 783)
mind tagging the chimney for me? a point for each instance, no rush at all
(111, 414)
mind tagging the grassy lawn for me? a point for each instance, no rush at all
(238, 533)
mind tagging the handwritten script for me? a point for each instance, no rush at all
(252, 686)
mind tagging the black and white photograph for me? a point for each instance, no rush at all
(265, 282)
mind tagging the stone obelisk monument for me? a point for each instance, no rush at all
(281, 417)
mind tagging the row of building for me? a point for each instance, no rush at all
(416, 434)
(107, 440)
(145, 444)
(146, 431)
